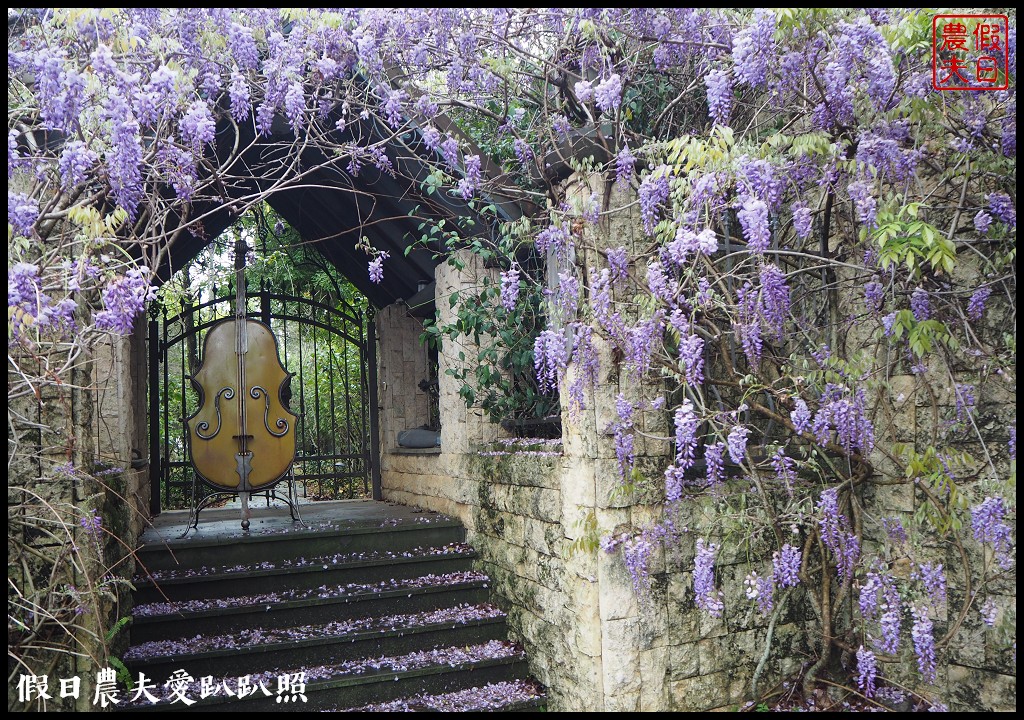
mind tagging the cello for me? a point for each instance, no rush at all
(242, 437)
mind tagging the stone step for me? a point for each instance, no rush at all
(375, 603)
(437, 671)
(521, 695)
(165, 621)
(258, 649)
(299, 541)
(205, 582)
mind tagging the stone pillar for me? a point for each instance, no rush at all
(631, 641)
(462, 428)
(402, 364)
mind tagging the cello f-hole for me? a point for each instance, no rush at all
(281, 423)
(228, 393)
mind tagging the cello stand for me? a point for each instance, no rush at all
(197, 504)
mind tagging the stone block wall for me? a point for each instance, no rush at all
(919, 409)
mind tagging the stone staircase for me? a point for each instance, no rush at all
(380, 609)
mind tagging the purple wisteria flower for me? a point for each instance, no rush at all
(654, 191)
(982, 222)
(775, 303)
(707, 598)
(641, 340)
(891, 618)
(924, 642)
(847, 416)
(554, 239)
(75, 161)
(989, 526)
(760, 589)
(450, 150)
(584, 90)
(92, 525)
(989, 611)
(1002, 207)
(719, 87)
(713, 458)
(802, 220)
(737, 443)
(868, 600)
(618, 263)
(21, 212)
(376, 268)
(23, 287)
(761, 179)
(691, 352)
(243, 46)
(783, 467)
(748, 324)
(1008, 142)
(392, 106)
(198, 126)
(686, 443)
(786, 566)
(550, 358)
(687, 242)
(123, 299)
(587, 365)
(625, 455)
(874, 294)
(976, 305)
(894, 530)
(880, 151)
(933, 579)
(568, 296)
(431, 137)
(560, 124)
(888, 322)
(801, 416)
(471, 178)
(864, 202)
(13, 156)
(608, 94)
(867, 671)
(836, 535)
(965, 402)
(624, 163)
(295, 106)
(753, 47)
(919, 304)
(510, 289)
(636, 554)
(523, 153)
(753, 216)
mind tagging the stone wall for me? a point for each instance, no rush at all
(72, 459)
(916, 410)
(535, 519)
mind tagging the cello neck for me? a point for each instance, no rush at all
(241, 345)
(241, 348)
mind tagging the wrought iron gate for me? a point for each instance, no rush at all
(326, 350)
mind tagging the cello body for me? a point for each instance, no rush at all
(242, 437)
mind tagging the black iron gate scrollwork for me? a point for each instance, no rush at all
(324, 348)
